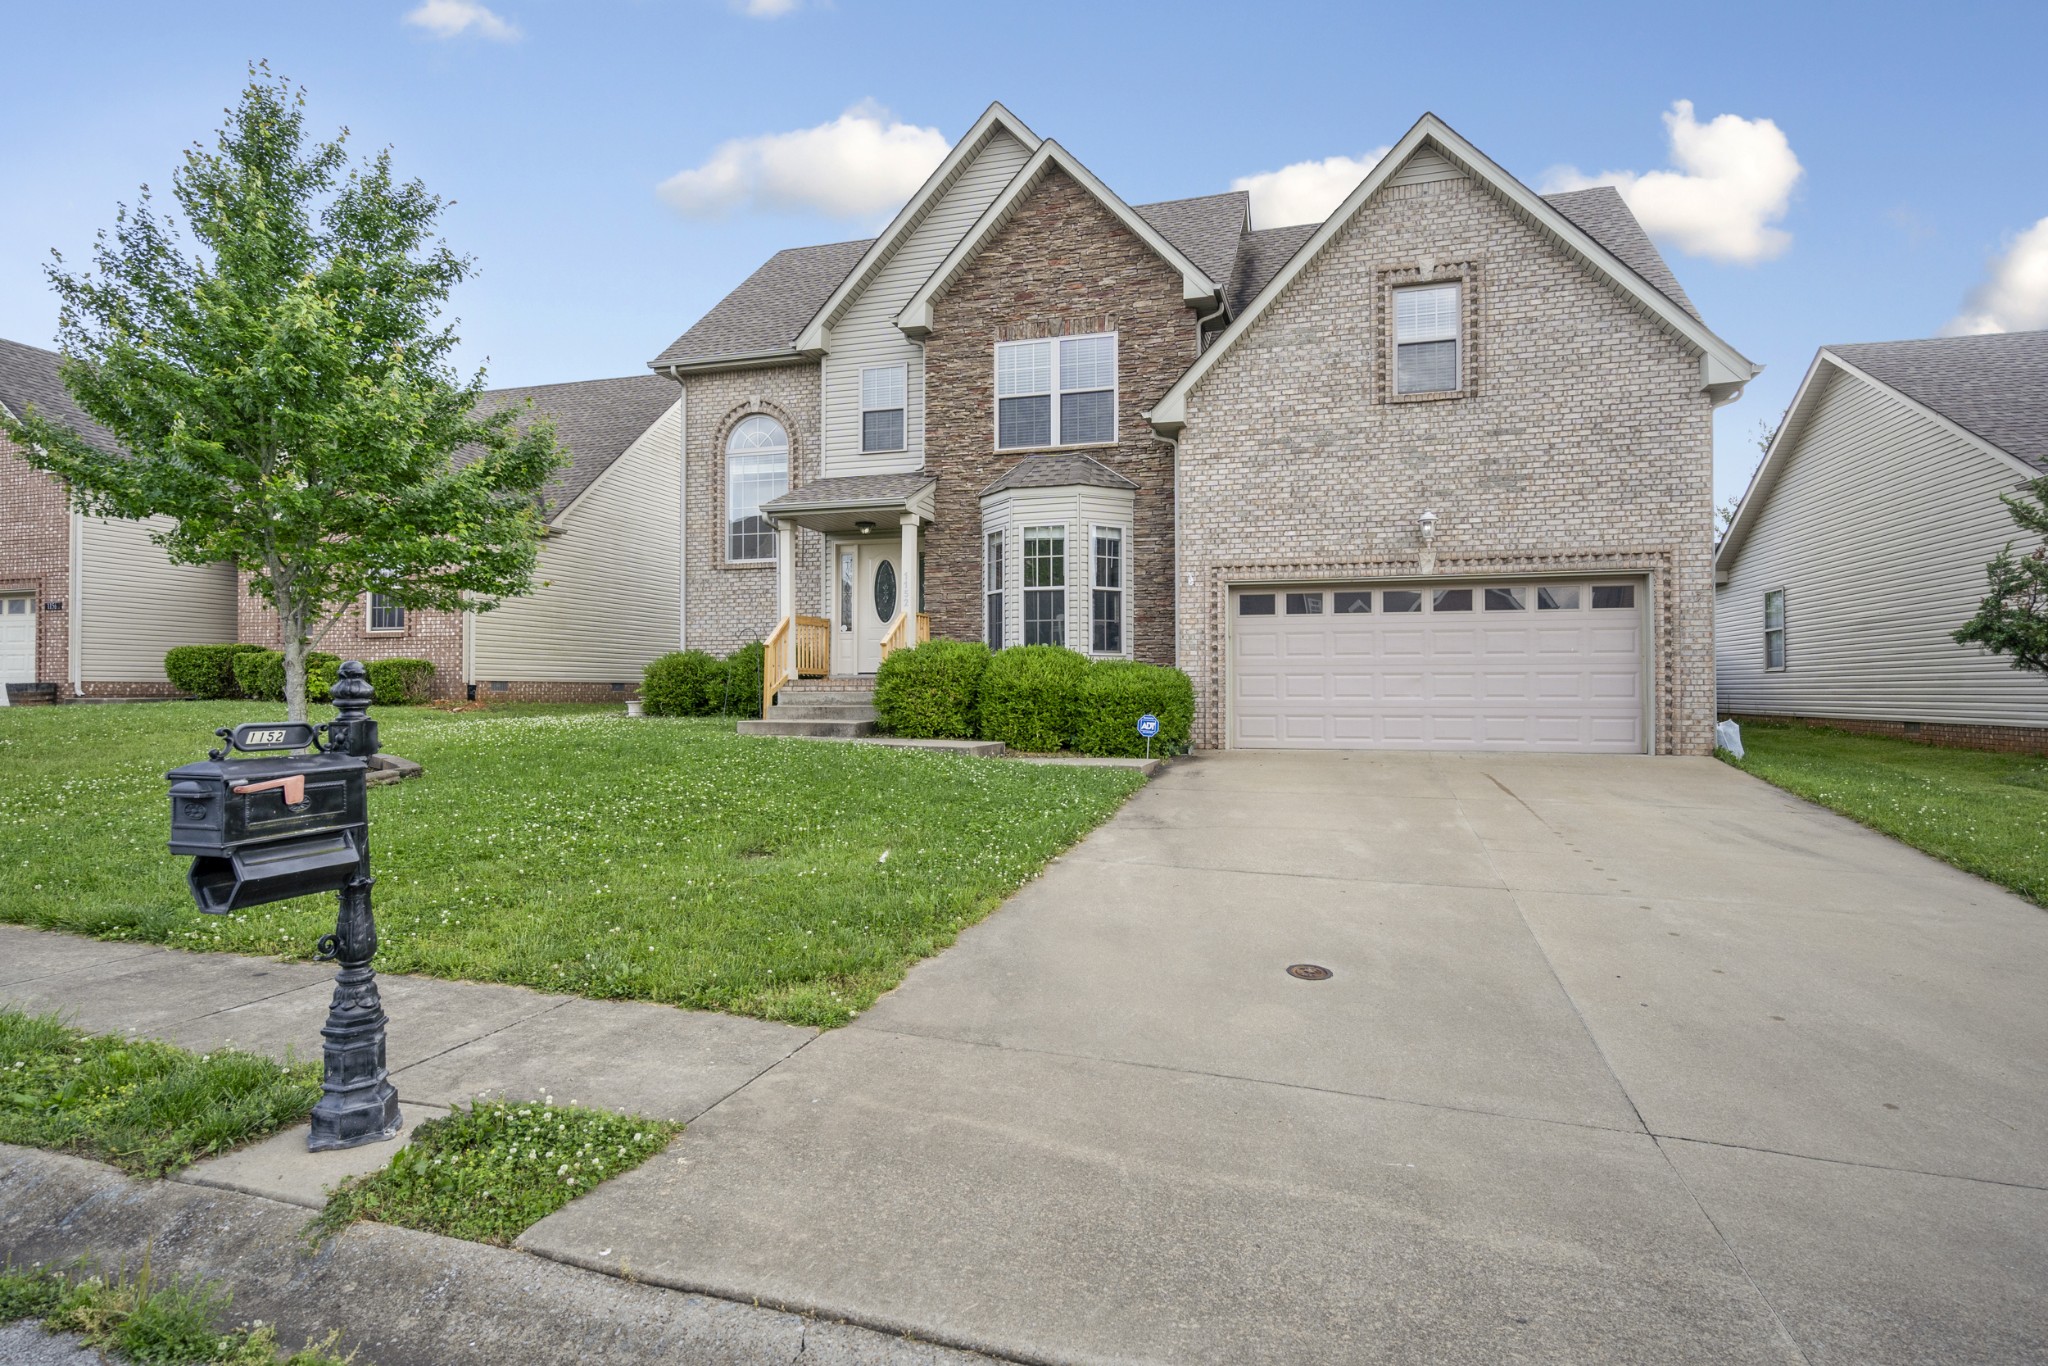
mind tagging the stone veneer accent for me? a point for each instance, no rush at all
(729, 605)
(1061, 265)
(435, 636)
(1585, 445)
(35, 555)
(1939, 734)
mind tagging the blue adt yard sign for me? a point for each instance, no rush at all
(1148, 726)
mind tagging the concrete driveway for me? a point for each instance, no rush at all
(1621, 1060)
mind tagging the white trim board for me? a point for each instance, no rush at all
(1723, 369)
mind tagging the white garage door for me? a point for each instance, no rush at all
(1512, 665)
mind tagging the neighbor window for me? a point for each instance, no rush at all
(1057, 392)
(1774, 629)
(1106, 609)
(756, 470)
(1426, 339)
(881, 408)
(1045, 585)
(386, 614)
(992, 589)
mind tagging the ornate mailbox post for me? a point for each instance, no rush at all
(262, 829)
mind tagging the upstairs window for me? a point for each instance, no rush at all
(881, 408)
(1056, 392)
(386, 613)
(1774, 629)
(1426, 339)
(1045, 585)
(756, 470)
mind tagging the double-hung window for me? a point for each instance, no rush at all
(1045, 585)
(1057, 392)
(992, 590)
(1774, 629)
(756, 470)
(386, 613)
(1106, 601)
(881, 408)
(1426, 339)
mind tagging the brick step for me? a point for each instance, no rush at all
(826, 730)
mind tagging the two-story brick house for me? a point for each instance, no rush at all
(1434, 473)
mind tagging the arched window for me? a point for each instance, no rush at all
(756, 470)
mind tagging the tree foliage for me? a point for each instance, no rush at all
(2013, 618)
(272, 360)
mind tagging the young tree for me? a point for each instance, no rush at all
(280, 385)
(2013, 618)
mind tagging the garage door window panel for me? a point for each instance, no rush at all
(1452, 600)
(1255, 605)
(1304, 604)
(1504, 600)
(1557, 599)
(1348, 603)
(1401, 600)
(1614, 597)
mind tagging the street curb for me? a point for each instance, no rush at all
(400, 1297)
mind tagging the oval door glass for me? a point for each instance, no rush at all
(885, 591)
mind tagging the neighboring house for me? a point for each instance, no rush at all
(1434, 473)
(1861, 545)
(88, 605)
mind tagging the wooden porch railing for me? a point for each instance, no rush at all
(899, 633)
(811, 657)
(775, 661)
(813, 647)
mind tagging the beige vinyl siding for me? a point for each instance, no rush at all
(1079, 510)
(1878, 529)
(134, 604)
(1423, 168)
(608, 596)
(865, 333)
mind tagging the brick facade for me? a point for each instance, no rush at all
(432, 636)
(35, 557)
(729, 605)
(1939, 734)
(1061, 265)
(1581, 443)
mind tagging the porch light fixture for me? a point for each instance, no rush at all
(1428, 521)
(863, 527)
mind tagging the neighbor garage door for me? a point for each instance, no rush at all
(1513, 665)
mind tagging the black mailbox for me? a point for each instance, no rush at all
(263, 829)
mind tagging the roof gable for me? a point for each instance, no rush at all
(1723, 370)
(29, 377)
(1994, 386)
(758, 322)
(1197, 286)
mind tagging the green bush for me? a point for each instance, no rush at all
(206, 671)
(1030, 697)
(930, 691)
(400, 682)
(743, 680)
(260, 675)
(1116, 692)
(684, 683)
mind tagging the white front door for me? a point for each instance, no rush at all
(877, 598)
(17, 640)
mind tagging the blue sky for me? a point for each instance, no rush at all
(1916, 132)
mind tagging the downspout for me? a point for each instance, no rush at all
(682, 510)
(74, 633)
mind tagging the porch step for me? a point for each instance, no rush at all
(816, 729)
(819, 709)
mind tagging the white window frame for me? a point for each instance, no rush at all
(728, 456)
(1784, 639)
(903, 408)
(1065, 613)
(1456, 336)
(993, 565)
(1122, 589)
(370, 627)
(1057, 389)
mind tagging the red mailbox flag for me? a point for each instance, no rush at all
(294, 788)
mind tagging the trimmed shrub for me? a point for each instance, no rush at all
(930, 691)
(1030, 697)
(743, 680)
(683, 683)
(206, 671)
(400, 682)
(1116, 692)
(260, 675)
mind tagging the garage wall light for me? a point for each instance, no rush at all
(1428, 520)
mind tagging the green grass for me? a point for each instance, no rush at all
(1985, 813)
(569, 849)
(148, 1321)
(489, 1172)
(145, 1107)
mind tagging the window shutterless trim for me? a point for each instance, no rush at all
(370, 626)
(1096, 588)
(991, 589)
(1057, 390)
(901, 408)
(1053, 596)
(1775, 634)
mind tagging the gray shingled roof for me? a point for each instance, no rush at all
(1206, 229)
(850, 489)
(1602, 214)
(1260, 255)
(595, 421)
(1995, 386)
(770, 306)
(1058, 471)
(28, 378)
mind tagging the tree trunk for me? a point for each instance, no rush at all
(291, 621)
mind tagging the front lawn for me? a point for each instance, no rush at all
(1985, 813)
(570, 849)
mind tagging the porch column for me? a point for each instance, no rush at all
(785, 584)
(910, 602)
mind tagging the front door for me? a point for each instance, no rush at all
(878, 596)
(17, 640)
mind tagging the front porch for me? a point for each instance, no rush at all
(874, 580)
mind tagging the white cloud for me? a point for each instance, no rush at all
(453, 18)
(766, 9)
(1307, 191)
(2014, 297)
(861, 164)
(1732, 183)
